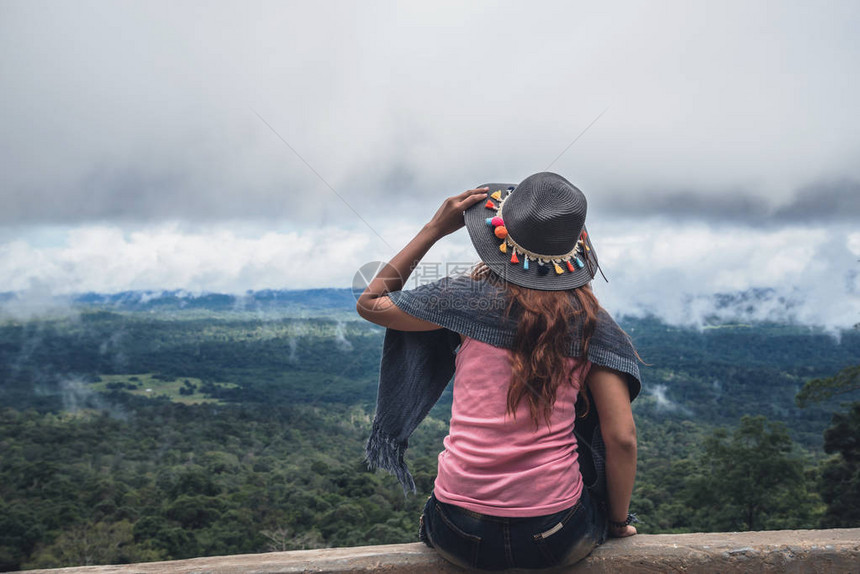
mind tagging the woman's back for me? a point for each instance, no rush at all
(510, 458)
(501, 465)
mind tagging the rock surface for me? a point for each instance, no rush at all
(783, 551)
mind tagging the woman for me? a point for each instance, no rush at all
(509, 492)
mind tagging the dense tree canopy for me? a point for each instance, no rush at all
(750, 480)
(132, 437)
(840, 477)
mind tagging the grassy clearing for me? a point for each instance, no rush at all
(147, 385)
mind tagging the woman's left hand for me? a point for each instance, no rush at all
(623, 532)
(449, 218)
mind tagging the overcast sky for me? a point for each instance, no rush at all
(217, 146)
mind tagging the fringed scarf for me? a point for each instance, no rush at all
(416, 367)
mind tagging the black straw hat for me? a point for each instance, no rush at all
(533, 234)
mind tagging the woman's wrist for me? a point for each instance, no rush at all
(619, 524)
(431, 233)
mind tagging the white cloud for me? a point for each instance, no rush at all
(107, 259)
(674, 270)
(131, 156)
(655, 266)
(143, 110)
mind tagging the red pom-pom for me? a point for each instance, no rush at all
(501, 232)
(496, 221)
(490, 204)
(514, 258)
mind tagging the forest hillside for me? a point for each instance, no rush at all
(139, 427)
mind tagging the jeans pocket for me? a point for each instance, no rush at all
(564, 537)
(447, 530)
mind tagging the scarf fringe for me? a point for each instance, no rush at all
(385, 452)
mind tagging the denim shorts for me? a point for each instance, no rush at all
(484, 542)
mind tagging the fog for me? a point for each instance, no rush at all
(222, 147)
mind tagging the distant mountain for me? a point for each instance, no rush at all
(751, 306)
(303, 301)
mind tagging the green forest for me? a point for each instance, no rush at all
(172, 430)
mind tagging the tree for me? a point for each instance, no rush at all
(840, 476)
(845, 381)
(750, 480)
(100, 543)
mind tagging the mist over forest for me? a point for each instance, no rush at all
(151, 426)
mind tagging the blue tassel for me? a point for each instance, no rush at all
(579, 262)
(526, 264)
(489, 220)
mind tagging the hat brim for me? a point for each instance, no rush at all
(487, 245)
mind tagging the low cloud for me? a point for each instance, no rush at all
(692, 274)
(686, 273)
(663, 402)
(37, 300)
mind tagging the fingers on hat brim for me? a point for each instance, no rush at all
(487, 246)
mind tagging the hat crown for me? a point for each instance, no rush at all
(545, 214)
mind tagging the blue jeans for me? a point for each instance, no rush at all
(474, 540)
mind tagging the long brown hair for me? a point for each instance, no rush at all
(543, 339)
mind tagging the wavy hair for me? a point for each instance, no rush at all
(544, 326)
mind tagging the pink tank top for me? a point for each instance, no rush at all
(493, 464)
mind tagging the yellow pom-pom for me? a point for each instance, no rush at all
(558, 269)
(503, 247)
(497, 195)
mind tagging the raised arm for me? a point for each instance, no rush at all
(374, 304)
(612, 400)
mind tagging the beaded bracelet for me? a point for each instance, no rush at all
(630, 518)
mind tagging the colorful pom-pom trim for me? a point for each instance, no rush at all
(570, 260)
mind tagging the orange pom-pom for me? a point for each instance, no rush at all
(501, 232)
(514, 258)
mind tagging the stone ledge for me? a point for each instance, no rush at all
(792, 551)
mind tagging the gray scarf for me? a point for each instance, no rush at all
(416, 367)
